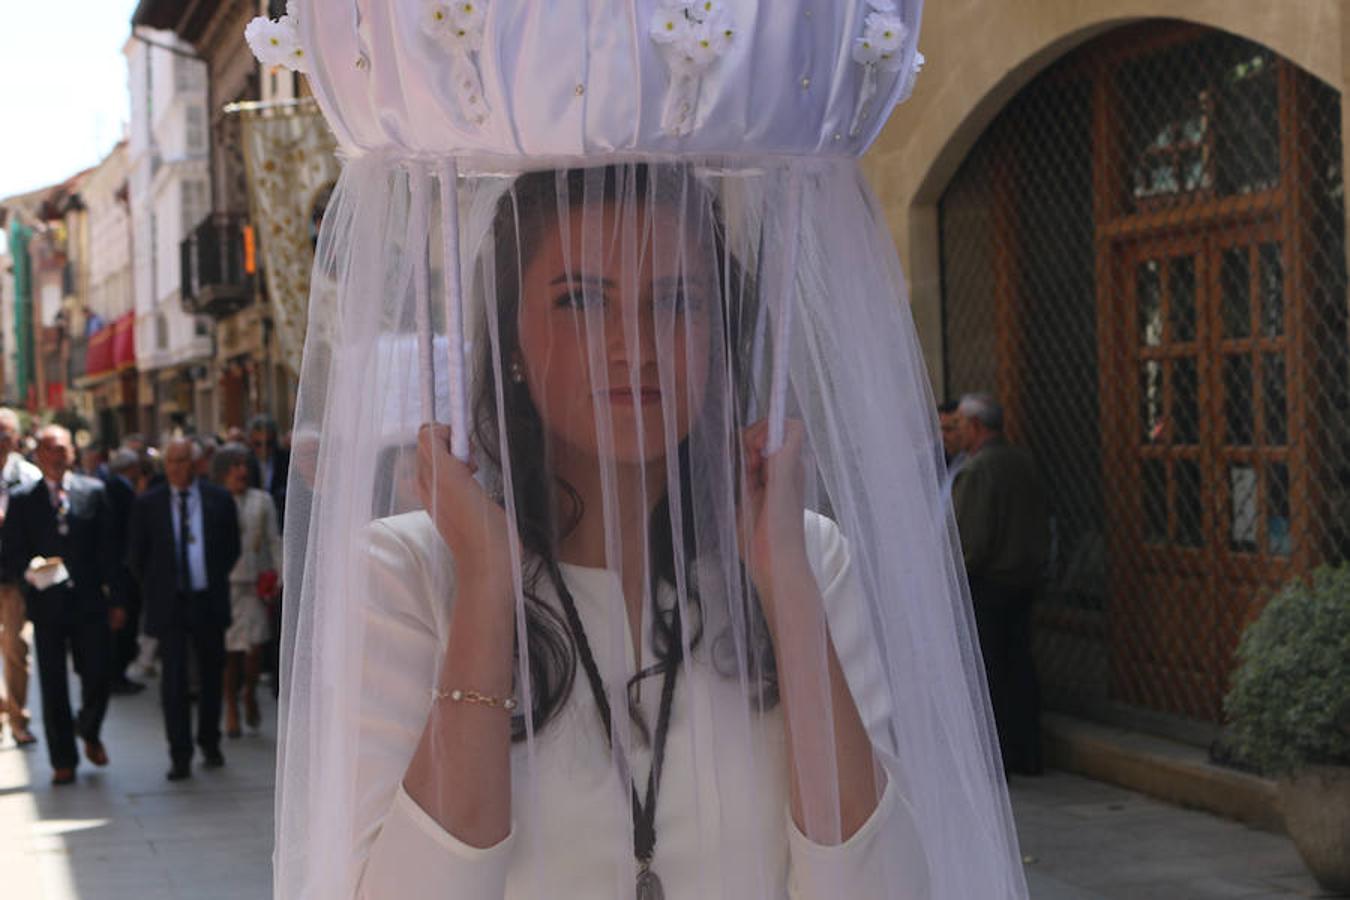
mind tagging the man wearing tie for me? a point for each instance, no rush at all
(71, 602)
(183, 542)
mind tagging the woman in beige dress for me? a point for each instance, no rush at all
(252, 583)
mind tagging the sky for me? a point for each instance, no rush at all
(64, 80)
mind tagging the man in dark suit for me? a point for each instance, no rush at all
(183, 542)
(273, 462)
(1002, 514)
(122, 468)
(67, 515)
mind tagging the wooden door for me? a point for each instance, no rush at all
(1199, 404)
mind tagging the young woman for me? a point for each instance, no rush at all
(592, 423)
(249, 629)
(678, 610)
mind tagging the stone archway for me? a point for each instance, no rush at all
(982, 53)
(1144, 255)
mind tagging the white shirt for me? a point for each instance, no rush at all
(197, 544)
(723, 826)
(59, 494)
(18, 472)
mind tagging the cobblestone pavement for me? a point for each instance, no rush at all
(125, 832)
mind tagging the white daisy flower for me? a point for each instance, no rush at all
(272, 42)
(470, 14)
(701, 45)
(463, 39)
(436, 19)
(669, 25)
(724, 34)
(297, 58)
(891, 60)
(886, 32)
(702, 10)
(866, 51)
(456, 25)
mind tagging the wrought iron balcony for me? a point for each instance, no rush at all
(218, 266)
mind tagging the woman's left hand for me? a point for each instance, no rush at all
(772, 520)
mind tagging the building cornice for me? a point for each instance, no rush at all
(189, 19)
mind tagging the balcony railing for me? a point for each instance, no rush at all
(217, 266)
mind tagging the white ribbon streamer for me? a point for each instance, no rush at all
(419, 189)
(454, 309)
(782, 336)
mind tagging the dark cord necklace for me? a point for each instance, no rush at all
(644, 811)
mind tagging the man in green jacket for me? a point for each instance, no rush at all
(1005, 537)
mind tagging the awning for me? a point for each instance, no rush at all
(98, 359)
(124, 342)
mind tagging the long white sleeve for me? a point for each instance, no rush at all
(403, 852)
(865, 865)
(406, 854)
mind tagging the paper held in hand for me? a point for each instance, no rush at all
(46, 572)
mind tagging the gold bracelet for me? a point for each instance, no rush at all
(471, 696)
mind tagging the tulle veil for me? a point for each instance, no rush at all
(645, 306)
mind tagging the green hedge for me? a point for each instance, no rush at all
(1290, 701)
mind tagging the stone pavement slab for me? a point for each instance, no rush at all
(1089, 840)
(124, 832)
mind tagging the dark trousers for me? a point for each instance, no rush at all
(1003, 619)
(126, 647)
(88, 643)
(206, 642)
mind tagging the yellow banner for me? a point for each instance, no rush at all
(291, 165)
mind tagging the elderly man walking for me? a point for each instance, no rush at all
(58, 537)
(17, 473)
(183, 542)
(1005, 537)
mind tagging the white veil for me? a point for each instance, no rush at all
(613, 306)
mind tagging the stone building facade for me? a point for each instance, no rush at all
(1127, 219)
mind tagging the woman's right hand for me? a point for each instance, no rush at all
(471, 523)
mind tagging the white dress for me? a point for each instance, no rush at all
(574, 839)
(260, 550)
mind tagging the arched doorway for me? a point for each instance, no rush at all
(1144, 256)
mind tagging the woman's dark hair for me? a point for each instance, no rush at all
(547, 508)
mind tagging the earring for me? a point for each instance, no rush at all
(517, 374)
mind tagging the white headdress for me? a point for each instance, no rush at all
(602, 239)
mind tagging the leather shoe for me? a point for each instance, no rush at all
(95, 752)
(213, 759)
(179, 771)
(63, 776)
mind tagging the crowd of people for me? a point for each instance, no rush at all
(146, 559)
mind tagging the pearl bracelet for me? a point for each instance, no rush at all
(471, 696)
